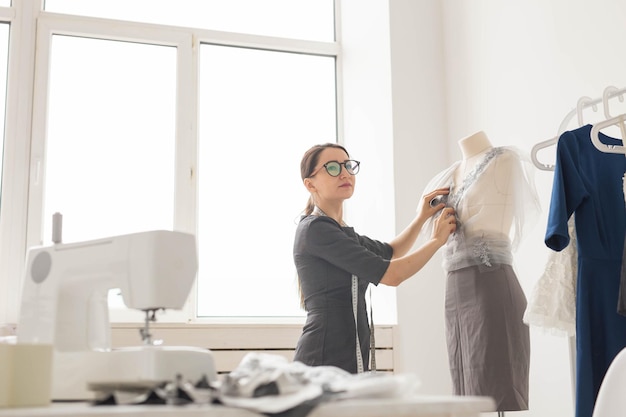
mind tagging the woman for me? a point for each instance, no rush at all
(335, 265)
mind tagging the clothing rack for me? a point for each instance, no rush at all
(619, 121)
(582, 104)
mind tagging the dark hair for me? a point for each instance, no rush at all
(309, 161)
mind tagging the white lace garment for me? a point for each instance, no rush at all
(552, 301)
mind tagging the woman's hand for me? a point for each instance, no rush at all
(425, 210)
(445, 225)
(403, 266)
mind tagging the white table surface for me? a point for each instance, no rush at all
(418, 406)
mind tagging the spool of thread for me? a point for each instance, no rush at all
(439, 199)
(25, 375)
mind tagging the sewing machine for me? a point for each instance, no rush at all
(65, 303)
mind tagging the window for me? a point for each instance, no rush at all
(259, 111)
(109, 166)
(4, 55)
(139, 127)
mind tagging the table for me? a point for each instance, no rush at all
(418, 406)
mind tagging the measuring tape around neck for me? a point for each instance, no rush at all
(355, 303)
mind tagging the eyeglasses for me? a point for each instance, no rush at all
(334, 167)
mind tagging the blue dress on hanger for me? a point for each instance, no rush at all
(588, 182)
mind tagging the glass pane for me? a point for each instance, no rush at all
(259, 112)
(4, 61)
(110, 140)
(299, 19)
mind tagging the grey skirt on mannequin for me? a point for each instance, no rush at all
(488, 344)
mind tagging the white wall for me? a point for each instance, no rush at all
(420, 151)
(514, 70)
(365, 76)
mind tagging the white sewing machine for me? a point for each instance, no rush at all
(65, 303)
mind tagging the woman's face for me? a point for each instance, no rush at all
(327, 187)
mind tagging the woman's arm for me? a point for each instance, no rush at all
(405, 267)
(406, 239)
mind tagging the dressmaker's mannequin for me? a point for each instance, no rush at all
(488, 343)
(473, 146)
(495, 203)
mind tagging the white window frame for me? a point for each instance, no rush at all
(49, 25)
(16, 150)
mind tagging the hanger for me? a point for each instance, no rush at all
(619, 121)
(583, 103)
